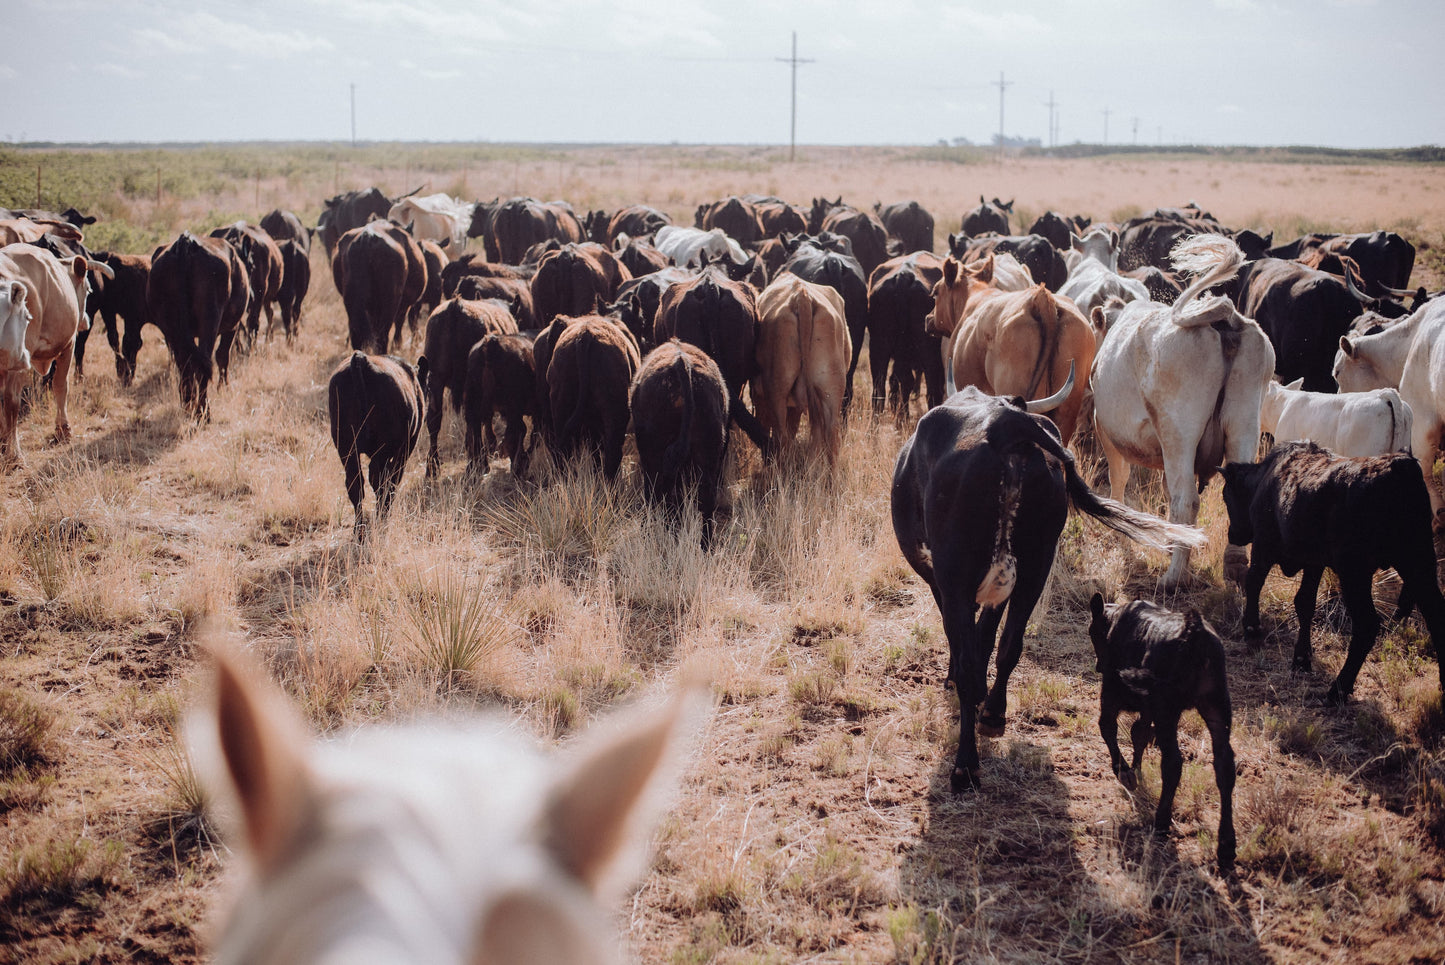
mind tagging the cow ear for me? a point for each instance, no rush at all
(1096, 606)
(1347, 346)
(950, 271)
(1296, 384)
(1075, 242)
(985, 269)
(1098, 319)
(1113, 239)
(981, 201)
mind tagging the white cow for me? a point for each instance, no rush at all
(1173, 392)
(437, 845)
(1411, 355)
(685, 246)
(1096, 279)
(1372, 423)
(435, 217)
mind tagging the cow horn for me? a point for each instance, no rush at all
(1360, 296)
(1055, 400)
(1398, 292)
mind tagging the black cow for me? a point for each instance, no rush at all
(637, 301)
(909, 223)
(1045, 262)
(197, 294)
(1304, 508)
(351, 210)
(639, 257)
(980, 495)
(281, 225)
(295, 283)
(1158, 663)
(123, 296)
(863, 231)
(371, 271)
(719, 316)
(737, 218)
(779, 218)
(375, 406)
(501, 379)
(900, 297)
(264, 265)
(451, 331)
(1385, 259)
(811, 261)
(1148, 242)
(988, 217)
(1056, 228)
(680, 420)
(1304, 312)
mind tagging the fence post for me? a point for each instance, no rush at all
(37, 185)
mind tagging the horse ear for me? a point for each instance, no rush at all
(537, 926)
(590, 821)
(260, 743)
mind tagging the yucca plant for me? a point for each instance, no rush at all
(456, 629)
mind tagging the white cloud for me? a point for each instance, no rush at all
(118, 70)
(1229, 109)
(201, 31)
(9, 73)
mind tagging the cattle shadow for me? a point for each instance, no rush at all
(998, 874)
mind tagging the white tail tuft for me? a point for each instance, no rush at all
(1214, 258)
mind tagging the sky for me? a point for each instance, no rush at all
(1341, 73)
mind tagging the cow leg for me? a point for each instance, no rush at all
(60, 386)
(1356, 587)
(10, 383)
(1171, 769)
(707, 504)
(1109, 729)
(1304, 611)
(223, 354)
(434, 403)
(355, 487)
(614, 437)
(1011, 646)
(1179, 479)
(478, 454)
(1218, 718)
(1259, 567)
(1422, 587)
(963, 658)
(878, 369)
(386, 470)
(1426, 434)
(130, 345)
(1118, 465)
(1141, 735)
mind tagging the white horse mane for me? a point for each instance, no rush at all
(427, 844)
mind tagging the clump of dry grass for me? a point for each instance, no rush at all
(456, 632)
(26, 732)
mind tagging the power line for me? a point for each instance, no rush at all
(793, 61)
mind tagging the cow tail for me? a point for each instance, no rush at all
(677, 453)
(1045, 312)
(1140, 527)
(581, 380)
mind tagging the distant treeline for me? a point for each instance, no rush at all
(1428, 154)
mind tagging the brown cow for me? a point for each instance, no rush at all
(295, 283)
(374, 402)
(1014, 343)
(737, 218)
(900, 297)
(196, 296)
(431, 295)
(570, 281)
(520, 223)
(779, 218)
(803, 352)
(680, 420)
(501, 379)
(639, 257)
(719, 316)
(51, 291)
(14, 231)
(635, 220)
(380, 272)
(588, 378)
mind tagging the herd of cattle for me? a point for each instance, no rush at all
(1171, 339)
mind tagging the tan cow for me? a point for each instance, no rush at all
(53, 292)
(15, 231)
(803, 351)
(1012, 343)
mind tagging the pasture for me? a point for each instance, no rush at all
(814, 822)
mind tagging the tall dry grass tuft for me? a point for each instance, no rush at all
(574, 517)
(457, 632)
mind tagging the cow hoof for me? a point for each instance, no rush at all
(964, 780)
(1298, 665)
(948, 684)
(1334, 697)
(990, 725)
(1128, 778)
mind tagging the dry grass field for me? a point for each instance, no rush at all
(814, 822)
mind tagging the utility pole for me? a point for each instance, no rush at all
(793, 61)
(1106, 112)
(353, 115)
(1002, 86)
(1051, 105)
(1136, 130)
